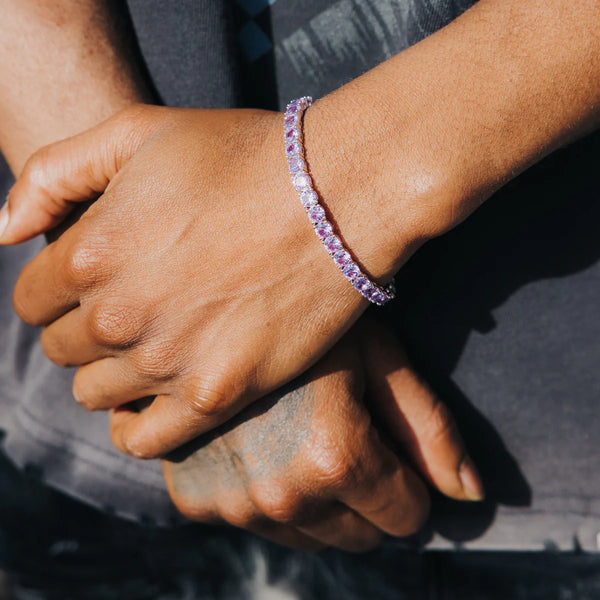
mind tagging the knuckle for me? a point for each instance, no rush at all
(83, 263)
(115, 324)
(138, 448)
(46, 171)
(208, 396)
(237, 510)
(153, 360)
(35, 173)
(335, 464)
(277, 502)
(135, 123)
(192, 507)
(187, 506)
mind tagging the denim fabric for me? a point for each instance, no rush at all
(318, 46)
(45, 431)
(501, 315)
(55, 548)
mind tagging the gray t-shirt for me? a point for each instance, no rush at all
(501, 314)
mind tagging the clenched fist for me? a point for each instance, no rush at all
(337, 458)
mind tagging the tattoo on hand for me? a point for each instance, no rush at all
(260, 442)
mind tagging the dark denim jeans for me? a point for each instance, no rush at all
(56, 548)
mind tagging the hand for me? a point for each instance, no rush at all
(420, 141)
(307, 467)
(195, 277)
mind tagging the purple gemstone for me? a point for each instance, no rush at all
(316, 214)
(342, 258)
(290, 120)
(292, 149)
(301, 181)
(333, 244)
(291, 135)
(378, 297)
(324, 230)
(351, 272)
(292, 107)
(296, 164)
(363, 285)
(308, 198)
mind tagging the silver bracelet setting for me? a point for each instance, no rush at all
(302, 181)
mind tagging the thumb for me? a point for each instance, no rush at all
(70, 171)
(415, 417)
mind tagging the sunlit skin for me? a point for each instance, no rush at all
(40, 107)
(289, 466)
(235, 297)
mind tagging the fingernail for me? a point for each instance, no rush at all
(471, 480)
(3, 220)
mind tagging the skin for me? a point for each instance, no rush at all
(274, 420)
(289, 465)
(40, 101)
(267, 449)
(261, 268)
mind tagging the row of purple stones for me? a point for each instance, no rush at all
(302, 181)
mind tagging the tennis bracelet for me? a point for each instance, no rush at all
(302, 181)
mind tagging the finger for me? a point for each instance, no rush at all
(161, 428)
(393, 498)
(416, 417)
(73, 170)
(69, 342)
(190, 411)
(110, 383)
(202, 503)
(238, 509)
(342, 528)
(50, 285)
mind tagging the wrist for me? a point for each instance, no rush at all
(412, 147)
(374, 187)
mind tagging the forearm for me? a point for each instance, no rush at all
(64, 67)
(426, 136)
